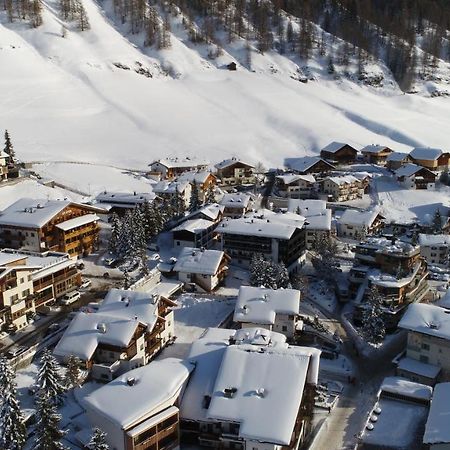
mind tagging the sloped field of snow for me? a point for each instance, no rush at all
(64, 99)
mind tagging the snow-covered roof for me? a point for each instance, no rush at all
(410, 389)
(194, 225)
(114, 323)
(238, 200)
(321, 222)
(427, 319)
(397, 156)
(212, 211)
(426, 153)
(305, 163)
(230, 162)
(77, 222)
(408, 170)
(374, 149)
(265, 383)
(418, 367)
(270, 227)
(191, 176)
(170, 187)
(343, 179)
(194, 260)
(126, 198)
(444, 302)
(437, 429)
(333, 147)
(32, 213)
(355, 217)
(181, 162)
(293, 178)
(260, 305)
(87, 330)
(434, 239)
(307, 207)
(154, 386)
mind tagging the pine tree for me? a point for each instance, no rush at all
(437, 221)
(194, 203)
(331, 69)
(36, 14)
(143, 263)
(373, 325)
(12, 429)
(48, 433)
(210, 195)
(72, 377)
(257, 270)
(116, 230)
(9, 148)
(49, 379)
(98, 440)
(126, 280)
(282, 276)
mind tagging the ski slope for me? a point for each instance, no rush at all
(64, 99)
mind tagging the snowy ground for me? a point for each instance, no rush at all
(404, 205)
(94, 178)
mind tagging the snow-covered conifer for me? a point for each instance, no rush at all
(49, 379)
(48, 433)
(98, 440)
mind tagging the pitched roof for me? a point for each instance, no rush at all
(230, 162)
(293, 178)
(198, 177)
(333, 147)
(194, 225)
(355, 217)
(426, 153)
(181, 162)
(77, 222)
(408, 170)
(170, 187)
(437, 430)
(427, 319)
(238, 200)
(397, 156)
(155, 385)
(343, 179)
(194, 260)
(374, 149)
(212, 212)
(125, 197)
(305, 163)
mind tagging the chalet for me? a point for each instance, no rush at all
(196, 233)
(273, 310)
(398, 417)
(233, 400)
(437, 432)
(120, 202)
(30, 280)
(55, 225)
(308, 165)
(232, 172)
(318, 222)
(169, 189)
(396, 160)
(279, 237)
(435, 248)
(428, 341)
(342, 188)
(339, 153)
(430, 158)
(170, 168)
(205, 268)
(127, 330)
(412, 176)
(204, 181)
(395, 268)
(139, 410)
(4, 163)
(376, 154)
(295, 186)
(235, 205)
(357, 224)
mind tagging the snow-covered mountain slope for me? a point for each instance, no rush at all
(81, 98)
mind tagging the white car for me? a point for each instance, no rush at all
(85, 283)
(70, 298)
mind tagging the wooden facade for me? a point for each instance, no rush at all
(345, 155)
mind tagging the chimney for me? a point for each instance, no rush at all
(131, 381)
(101, 327)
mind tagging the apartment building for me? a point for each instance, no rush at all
(412, 176)
(55, 225)
(235, 205)
(234, 171)
(339, 153)
(359, 224)
(126, 331)
(431, 158)
(342, 188)
(309, 165)
(376, 154)
(30, 280)
(295, 186)
(169, 189)
(203, 179)
(279, 237)
(170, 168)
(435, 248)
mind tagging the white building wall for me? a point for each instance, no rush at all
(114, 434)
(285, 324)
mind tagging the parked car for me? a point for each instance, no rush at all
(15, 351)
(85, 283)
(70, 298)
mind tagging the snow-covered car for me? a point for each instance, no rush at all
(85, 283)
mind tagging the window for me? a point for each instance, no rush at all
(284, 328)
(22, 280)
(26, 293)
(425, 346)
